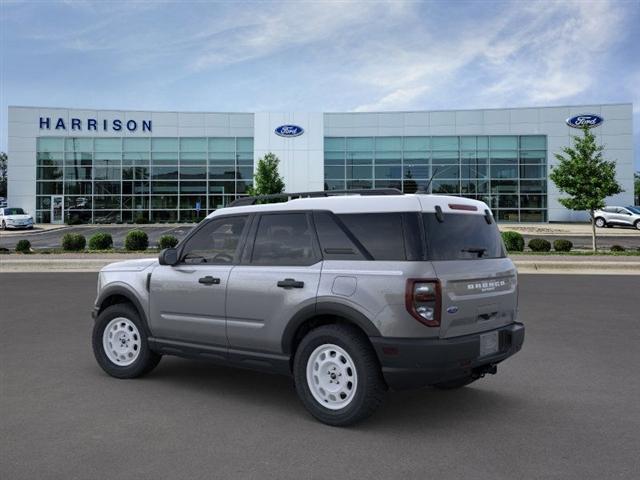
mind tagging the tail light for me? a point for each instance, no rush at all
(422, 299)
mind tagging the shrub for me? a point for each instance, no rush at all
(141, 220)
(562, 245)
(539, 245)
(73, 242)
(23, 246)
(617, 248)
(167, 241)
(101, 241)
(136, 240)
(513, 241)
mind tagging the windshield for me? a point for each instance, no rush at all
(13, 211)
(634, 209)
(462, 236)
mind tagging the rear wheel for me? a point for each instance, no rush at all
(337, 375)
(637, 224)
(120, 343)
(600, 223)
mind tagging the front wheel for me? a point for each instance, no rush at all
(4, 225)
(337, 375)
(600, 223)
(120, 343)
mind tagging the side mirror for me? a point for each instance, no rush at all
(168, 256)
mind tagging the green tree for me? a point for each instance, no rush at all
(267, 180)
(585, 177)
(3, 174)
(636, 188)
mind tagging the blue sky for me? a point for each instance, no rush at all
(318, 56)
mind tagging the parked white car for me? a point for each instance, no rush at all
(622, 216)
(15, 218)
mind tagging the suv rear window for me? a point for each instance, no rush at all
(462, 236)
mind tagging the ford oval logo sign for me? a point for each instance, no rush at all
(587, 120)
(289, 131)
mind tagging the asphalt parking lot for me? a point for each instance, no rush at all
(565, 407)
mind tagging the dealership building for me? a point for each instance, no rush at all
(107, 166)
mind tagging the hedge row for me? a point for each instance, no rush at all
(136, 240)
(514, 242)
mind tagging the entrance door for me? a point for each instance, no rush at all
(57, 209)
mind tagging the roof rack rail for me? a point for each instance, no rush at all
(244, 201)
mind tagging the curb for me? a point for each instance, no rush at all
(27, 265)
(603, 267)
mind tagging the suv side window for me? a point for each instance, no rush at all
(215, 243)
(284, 239)
(334, 238)
(381, 234)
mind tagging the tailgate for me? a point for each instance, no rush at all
(477, 295)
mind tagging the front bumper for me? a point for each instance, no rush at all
(19, 226)
(412, 363)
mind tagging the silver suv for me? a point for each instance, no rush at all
(621, 216)
(349, 295)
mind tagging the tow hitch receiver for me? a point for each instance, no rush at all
(480, 372)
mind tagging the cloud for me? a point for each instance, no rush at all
(257, 33)
(525, 54)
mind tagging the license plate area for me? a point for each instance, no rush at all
(489, 344)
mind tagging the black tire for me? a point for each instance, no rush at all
(454, 384)
(4, 225)
(637, 224)
(146, 361)
(370, 387)
(600, 222)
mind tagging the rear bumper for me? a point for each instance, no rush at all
(412, 363)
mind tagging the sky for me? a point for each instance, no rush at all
(318, 56)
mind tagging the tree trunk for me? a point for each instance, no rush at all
(593, 231)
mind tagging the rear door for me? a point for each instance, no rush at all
(623, 216)
(187, 300)
(478, 282)
(278, 276)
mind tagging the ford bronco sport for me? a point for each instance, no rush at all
(348, 294)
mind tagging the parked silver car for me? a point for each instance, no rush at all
(350, 295)
(620, 216)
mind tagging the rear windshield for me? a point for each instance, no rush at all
(462, 236)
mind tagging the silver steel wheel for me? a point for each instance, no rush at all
(121, 341)
(600, 222)
(331, 376)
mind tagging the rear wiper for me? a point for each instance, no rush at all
(479, 251)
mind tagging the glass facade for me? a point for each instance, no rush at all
(109, 180)
(508, 172)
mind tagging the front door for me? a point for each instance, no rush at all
(279, 277)
(187, 300)
(57, 209)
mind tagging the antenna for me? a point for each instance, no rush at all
(426, 190)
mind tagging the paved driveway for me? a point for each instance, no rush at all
(566, 407)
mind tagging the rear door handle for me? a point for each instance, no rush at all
(209, 280)
(290, 283)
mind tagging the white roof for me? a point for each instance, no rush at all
(365, 204)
